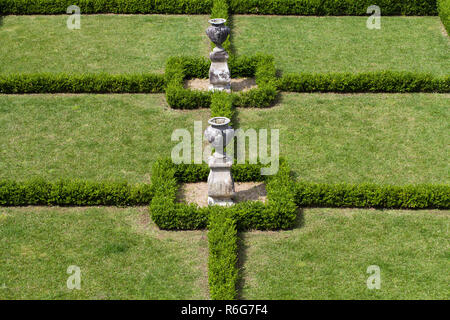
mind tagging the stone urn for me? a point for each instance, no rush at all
(219, 73)
(218, 32)
(220, 181)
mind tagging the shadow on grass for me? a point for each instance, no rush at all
(230, 37)
(243, 249)
(252, 194)
(1, 21)
(279, 73)
(242, 259)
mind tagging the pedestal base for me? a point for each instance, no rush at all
(220, 202)
(220, 182)
(226, 88)
(219, 73)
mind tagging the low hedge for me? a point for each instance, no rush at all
(333, 7)
(190, 173)
(259, 66)
(222, 105)
(81, 83)
(222, 260)
(73, 193)
(279, 212)
(277, 7)
(383, 81)
(21, 7)
(373, 196)
(198, 67)
(177, 96)
(166, 212)
(444, 13)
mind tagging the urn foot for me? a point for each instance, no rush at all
(220, 182)
(218, 87)
(220, 202)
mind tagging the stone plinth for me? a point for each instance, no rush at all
(220, 182)
(219, 73)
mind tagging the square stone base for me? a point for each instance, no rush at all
(245, 191)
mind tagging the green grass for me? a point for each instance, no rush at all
(105, 43)
(379, 138)
(93, 137)
(327, 256)
(121, 254)
(344, 44)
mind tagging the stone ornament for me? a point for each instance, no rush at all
(219, 73)
(220, 181)
(218, 32)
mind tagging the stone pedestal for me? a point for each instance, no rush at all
(219, 73)
(220, 182)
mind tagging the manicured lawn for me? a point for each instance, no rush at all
(105, 43)
(344, 44)
(379, 138)
(327, 256)
(121, 254)
(93, 137)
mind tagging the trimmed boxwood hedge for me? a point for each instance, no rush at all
(333, 7)
(383, 81)
(222, 260)
(21, 7)
(198, 67)
(444, 13)
(190, 173)
(73, 193)
(278, 7)
(373, 196)
(280, 212)
(259, 66)
(222, 105)
(177, 96)
(81, 83)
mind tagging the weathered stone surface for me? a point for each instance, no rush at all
(219, 73)
(218, 55)
(218, 32)
(220, 181)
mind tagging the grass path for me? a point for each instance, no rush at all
(378, 138)
(327, 256)
(105, 43)
(93, 137)
(121, 254)
(344, 44)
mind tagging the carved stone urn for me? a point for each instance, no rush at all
(219, 73)
(218, 32)
(220, 181)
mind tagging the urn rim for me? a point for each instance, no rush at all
(217, 21)
(219, 121)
